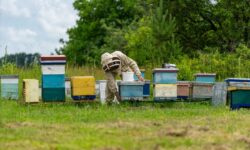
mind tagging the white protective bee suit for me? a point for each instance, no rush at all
(125, 64)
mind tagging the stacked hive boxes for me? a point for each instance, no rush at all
(9, 87)
(238, 92)
(203, 86)
(30, 90)
(83, 87)
(53, 78)
(165, 83)
(146, 87)
(184, 89)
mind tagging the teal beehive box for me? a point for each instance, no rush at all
(165, 75)
(205, 77)
(53, 81)
(238, 92)
(131, 90)
(9, 87)
(53, 94)
(53, 88)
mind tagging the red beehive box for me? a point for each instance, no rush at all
(184, 89)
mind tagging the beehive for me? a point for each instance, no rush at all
(9, 87)
(53, 77)
(202, 90)
(146, 89)
(165, 75)
(165, 92)
(102, 90)
(239, 98)
(184, 89)
(53, 69)
(68, 87)
(131, 90)
(205, 77)
(219, 94)
(53, 88)
(238, 82)
(83, 85)
(238, 92)
(31, 90)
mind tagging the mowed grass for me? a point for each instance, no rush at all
(126, 126)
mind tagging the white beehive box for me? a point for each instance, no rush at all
(167, 91)
(68, 87)
(53, 69)
(30, 90)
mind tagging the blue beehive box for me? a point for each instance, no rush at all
(165, 75)
(53, 81)
(53, 88)
(142, 74)
(205, 77)
(146, 89)
(131, 90)
(84, 97)
(9, 87)
(239, 82)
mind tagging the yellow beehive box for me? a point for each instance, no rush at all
(83, 85)
(83, 91)
(30, 90)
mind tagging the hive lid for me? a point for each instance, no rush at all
(184, 82)
(205, 74)
(237, 80)
(202, 83)
(130, 83)
(52, 57)
(9, 76)
(57, 62)
(165, 70)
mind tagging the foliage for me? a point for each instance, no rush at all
(20, 59)
(156, 31)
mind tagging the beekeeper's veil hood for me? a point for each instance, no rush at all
(109, 62)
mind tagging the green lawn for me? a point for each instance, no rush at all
(147, 126)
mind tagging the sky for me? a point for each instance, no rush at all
(34, 25)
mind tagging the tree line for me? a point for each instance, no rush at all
(156, 31)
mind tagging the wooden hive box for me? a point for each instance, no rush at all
(131, 90)
(83, 87)
(31, 90)
(205, 77)
(202, 90)
(53, 88)
(165, 76)
(184, 89)
(9, 86)
(165, 92)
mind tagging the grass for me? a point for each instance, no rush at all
(147, 126)
(93, 126)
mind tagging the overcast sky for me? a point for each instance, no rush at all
(34, 25)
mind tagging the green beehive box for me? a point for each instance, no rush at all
(53, 94)
(239, 98)
(9, 87)
(9, 91)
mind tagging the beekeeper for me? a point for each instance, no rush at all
(114, 64)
